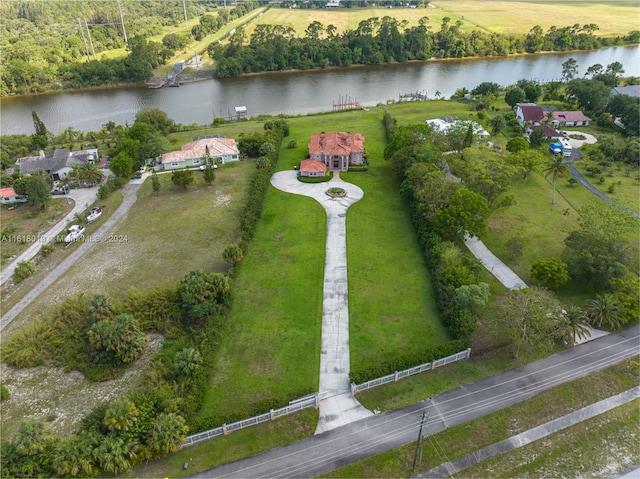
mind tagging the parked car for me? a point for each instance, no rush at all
(136, 176)
(60, 191)
(204, 167)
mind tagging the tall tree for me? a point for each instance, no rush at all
(577, 324)
(182, 178)
(155, 182)
(38, 125)
(604, 311)
(38, 190)
(166, 435)
(569, 69)
(555, 167)
(528, 319)
(465, 212)
(120, 415)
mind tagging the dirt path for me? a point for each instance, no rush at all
(130, 197)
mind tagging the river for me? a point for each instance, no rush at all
(294, 92)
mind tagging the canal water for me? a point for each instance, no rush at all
(293, 92)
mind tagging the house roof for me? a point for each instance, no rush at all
(313, 165)
(631, 90)
(198, 149)
(56, 160)
(549, 132)
(531, 112)
(569, 116)
(7, 192)
(336, 143)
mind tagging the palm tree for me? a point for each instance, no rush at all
(31, 438)
(120, 415)
(555, 167)
(187, 361)
(604, 310)
(577, 324)
(113, 454)
(92, 173)
(73, 455)
(167, 433)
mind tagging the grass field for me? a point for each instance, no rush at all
(24, 222)
(515, 17)
(622, 178)
(274, 350)
(466, 438)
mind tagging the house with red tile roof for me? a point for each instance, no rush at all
(569, 118)
(312, 168)
(192, 154)
(529, 113)
(337, 150)
(8, 195)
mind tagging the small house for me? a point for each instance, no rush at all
(313, 168)
(193, 154)
(8, 195)
(529, 113)
(569, 118)
(57, 163)
(337, 150)
(631, 90)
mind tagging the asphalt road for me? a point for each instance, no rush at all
(371, 436)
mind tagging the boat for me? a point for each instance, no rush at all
(94, 214)
(75, 233)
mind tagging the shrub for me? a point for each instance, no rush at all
(4, 393)
(23, 270)
(292, 144)
(46, 250)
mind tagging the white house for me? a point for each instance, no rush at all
(529, 113)
(221, 150)
(443, 124)
(569, 118)
(8, 195)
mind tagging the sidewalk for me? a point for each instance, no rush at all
(531, 435)
(501, 271)
(83, 197)
(337, 405)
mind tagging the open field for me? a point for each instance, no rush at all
(466, 438)
(500, 16)
(162, 238)
(11, 294)
(515, 16)
(24, 224)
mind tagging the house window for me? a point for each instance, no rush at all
(234, 157)
(196, 161)
(175, 163)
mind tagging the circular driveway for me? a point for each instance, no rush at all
(589, 139)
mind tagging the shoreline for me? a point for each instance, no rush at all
(209, 74)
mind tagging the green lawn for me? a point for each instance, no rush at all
(273, 352)
(619, 182)
(460, 440)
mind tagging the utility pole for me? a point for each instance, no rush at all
(86, 25)
(124, 32)
(184, 7)
(84, 40)
(417, 458)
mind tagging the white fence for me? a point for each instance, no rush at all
(356, 388)
(313, 399)
(294, 406)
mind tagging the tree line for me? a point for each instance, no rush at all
(381, 40)
(44, 49)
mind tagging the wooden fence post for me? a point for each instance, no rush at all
(273, 416)
(354, 389)
(468, 353)
(224, 429)
(395, 376)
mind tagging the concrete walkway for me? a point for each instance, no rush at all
(501, 271)
(337, 405)
(531, 435)
(83, 198)
(130, 197)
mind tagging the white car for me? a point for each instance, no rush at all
(204, 167)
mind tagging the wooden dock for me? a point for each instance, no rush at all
(349, 105)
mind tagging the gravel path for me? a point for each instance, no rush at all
(129, 193)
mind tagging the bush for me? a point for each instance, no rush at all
(23, 270)
(46, 250)
(4, 393)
